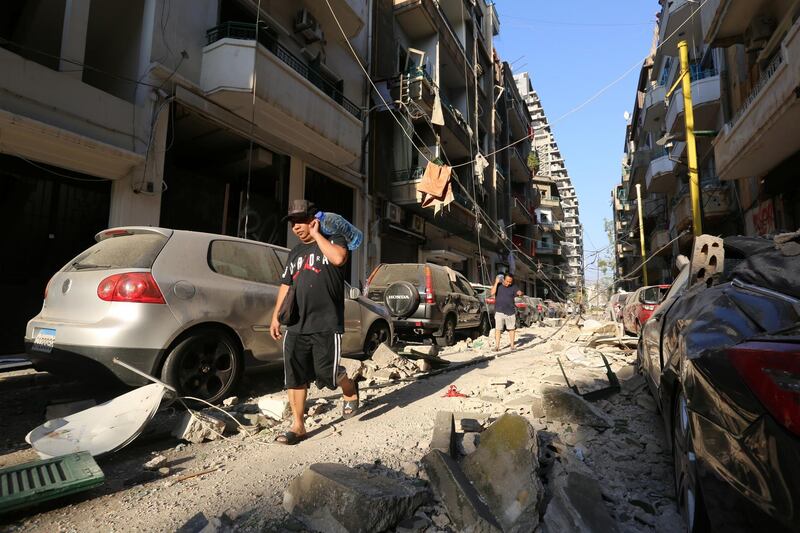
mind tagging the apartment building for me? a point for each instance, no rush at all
(435, 62)
(201, 115)
(757, 149)
(550, 163)
(550, 245)
(655, 153)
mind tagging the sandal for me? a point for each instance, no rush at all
(290, 438)
(351, 405)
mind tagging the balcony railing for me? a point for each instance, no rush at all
(766, 75)
(408, 174)
(247, 31)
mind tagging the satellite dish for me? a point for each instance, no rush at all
(626, 115)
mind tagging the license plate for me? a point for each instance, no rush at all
(43, 340)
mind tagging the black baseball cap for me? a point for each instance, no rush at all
(301, 209)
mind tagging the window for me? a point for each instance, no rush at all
(463, 286)
(137, 250)
(679, 285)
(250, 262)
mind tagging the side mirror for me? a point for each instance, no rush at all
(354, 294)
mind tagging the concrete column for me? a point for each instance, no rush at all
(297, 190)
(73, 37)
(132, 201)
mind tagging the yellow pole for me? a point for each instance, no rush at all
(691, 146)
(641, 231)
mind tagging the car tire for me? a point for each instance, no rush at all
(689, 498)
(207, 365)
(379, 333)
(483, 329)
(448, 337)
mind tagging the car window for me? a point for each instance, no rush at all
(138, 250)
(464, 286)
(441, 282)
(679, 285)
(388, 274)
(623, 298)
(251, 262)
(652, 295)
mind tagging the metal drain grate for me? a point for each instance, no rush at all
(39, 481)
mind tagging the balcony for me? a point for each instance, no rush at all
(723, 22)
(714, 199)
(660, 176)
(455, 135)
(654, 106)
(326, 124)
(766, 129)
(524, 244)
(658, 240)
(705, 101)
(550, 226)
(625, 249)
(522, 210)
(547, 248)
(416, 89)
(520, 173)
(674, 17)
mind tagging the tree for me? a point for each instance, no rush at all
(533, 161)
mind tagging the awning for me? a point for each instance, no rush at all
(443, 256)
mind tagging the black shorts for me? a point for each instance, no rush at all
(312, 357)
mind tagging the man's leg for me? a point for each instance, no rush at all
(511, 333)
(348, 388)
(297, 400)
(498, 329)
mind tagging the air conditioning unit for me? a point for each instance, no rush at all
(417, 224)
(394, 213)
(307, 25)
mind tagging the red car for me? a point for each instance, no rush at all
(640, 305)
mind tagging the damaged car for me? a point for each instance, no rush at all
(721, 356)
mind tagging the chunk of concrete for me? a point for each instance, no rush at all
(564, 405)
(386, 374)
(576, 504)
(469, 442)
(444, 431)
(336, 498)
(354, 368)
(155, 463)
(383, 356)
(599, 328)
(198, 427)
(275, 408)
(504, 470)
(464, 505)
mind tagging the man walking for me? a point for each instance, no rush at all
(505, 310)
(312, 346)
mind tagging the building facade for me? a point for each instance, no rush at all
(550, 163)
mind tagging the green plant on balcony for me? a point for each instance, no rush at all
(533, 162)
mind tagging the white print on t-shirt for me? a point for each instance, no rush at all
(305, 263)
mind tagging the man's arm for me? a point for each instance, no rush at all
(275, 326)
(494, 287)
(337, 255)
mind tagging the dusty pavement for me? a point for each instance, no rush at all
(621, 443)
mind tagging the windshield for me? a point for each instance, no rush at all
(138, 250)
(679, 284)
(388, 274)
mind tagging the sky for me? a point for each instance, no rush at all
(572, 50)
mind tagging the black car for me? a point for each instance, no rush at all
(428, 300)
(721, 355)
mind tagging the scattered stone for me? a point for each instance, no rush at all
(257, 420)
(470, 424)
(576, 504)
(441, 520)
(643, 505)
(155, 463)
(565, 406)
(430, 350)
(520, 401)
(469, 443)
(646, 402)
(334, 497)
(423, 365)
(410, 469)
(276, 409)
(444, 428)
(386, 374)
(320, 407)
(230, 402)
(198, 427)
(504, 470)
(164, 471)
(415, 524)
(60, 410)
(383, 356)
(464, 505)
(599, 328)
(355, 369)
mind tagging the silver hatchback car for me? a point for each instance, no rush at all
(192, 308)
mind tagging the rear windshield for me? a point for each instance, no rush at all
(125, 251)
(388, 274)
(653, 295)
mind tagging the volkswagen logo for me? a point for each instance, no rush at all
(66, 286)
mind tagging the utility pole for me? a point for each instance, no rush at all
(691, 146)
(641, 230)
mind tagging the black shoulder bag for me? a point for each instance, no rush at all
(287, 314)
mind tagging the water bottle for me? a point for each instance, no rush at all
(333, 224)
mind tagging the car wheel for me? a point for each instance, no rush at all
(483, 329)
(690, 501)
(205, 365)
(448, 337)
(378, 334)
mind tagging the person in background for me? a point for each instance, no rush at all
(505, 310)
(312, 347)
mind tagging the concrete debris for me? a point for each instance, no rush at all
(430, 350)
(416, 524)
(383, 356)
(164, 471)
(410, 468)
(155, 463)
(198, 427)
(471, 424)
(464, 506)
(444, 429)
(60, 410)
(231, 401)
(504, 470)
(553, 322)
(565, 406)
(200, 524)
(273, 407)
(354, 368)
(599, 328)
(336, 498)
(321, 406)
(387, 374)
(469, 443)
(576, 503)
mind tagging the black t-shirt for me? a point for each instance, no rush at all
(504, 299)
(318, 288)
